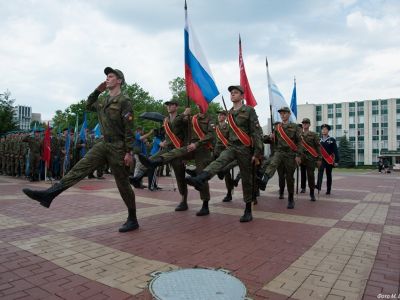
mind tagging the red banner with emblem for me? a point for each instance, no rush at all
(310, 149)
(242, 136)
(221, 136)
(288, 141)
(330, 159)
(174, 139)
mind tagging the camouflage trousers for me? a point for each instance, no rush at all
(99, 155)
(286, 161)
(242, 155)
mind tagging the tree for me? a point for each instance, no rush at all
(345, 153)
(7, 122)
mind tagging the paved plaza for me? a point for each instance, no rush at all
(343, 246)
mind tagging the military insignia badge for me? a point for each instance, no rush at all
(128, 116)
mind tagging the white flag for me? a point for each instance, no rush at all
(277, 101)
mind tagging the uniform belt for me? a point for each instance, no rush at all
(112, 139)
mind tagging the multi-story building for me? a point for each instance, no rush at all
(372, 126)
(23, 116)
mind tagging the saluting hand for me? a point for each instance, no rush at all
(102, 87)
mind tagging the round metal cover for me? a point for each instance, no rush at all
(193, 284)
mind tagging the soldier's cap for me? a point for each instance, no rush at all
(224, 112)
(236, 87)
(306, 120)
(170, 102)
(326, 126)
(284, 109)
(117, 72)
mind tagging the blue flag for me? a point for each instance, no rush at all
(67, 146)
(82, 135)
(97, 131)
(293, 102)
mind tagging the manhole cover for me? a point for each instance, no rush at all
(193, 284)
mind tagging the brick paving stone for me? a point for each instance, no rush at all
(343, 246)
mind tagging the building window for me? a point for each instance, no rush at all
(330, 121)
(384, 145)
(352, 109)
(360, 131)
(375, 144)
(361, 119)
(352, 145)
(375, 119)
(338, 110)
(384, 118)
(330, 111)
(339, 120)
(352, 119)
(339, 133)
(360, 144)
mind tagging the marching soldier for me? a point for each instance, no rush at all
(330, 157)
(222, 142)
(115, 115)
(245, 146)
(287, 153)
(311, 157)
(175, 128)
(199, 149)
(35, 149)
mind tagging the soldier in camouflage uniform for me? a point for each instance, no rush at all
(2, 154)
(115, 115)
(245, 145)
(288, 151)
(311, 157)
(35, 148)
(175, 128)
(199, 148)
(221, 144)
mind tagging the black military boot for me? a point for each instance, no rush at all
(182, 206)
(131, 223)
(198, 181)
(237, 179)
(247, 216)
(290, 201)
(328, 191)
(191, 172)
(204, 210)
(281, 192)
(312, 196)
(228, 197)
(151, 163)
(262, 184)
(136, 181)
(45, 197)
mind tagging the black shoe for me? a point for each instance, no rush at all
(228, 198)
(130, 225)
(221, 175)
(191, 172)
(204, 211)
(302, 191)
(281, 196)
(90, 176)
(182, 206)
(312, 196)
(101, 177)
(247, 216)
(328, 192)
(290, 202)
(45, 197)
(262, 184)
(237, 179)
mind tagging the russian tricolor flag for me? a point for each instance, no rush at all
(200, 84)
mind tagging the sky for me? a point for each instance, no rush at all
(53, 52)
